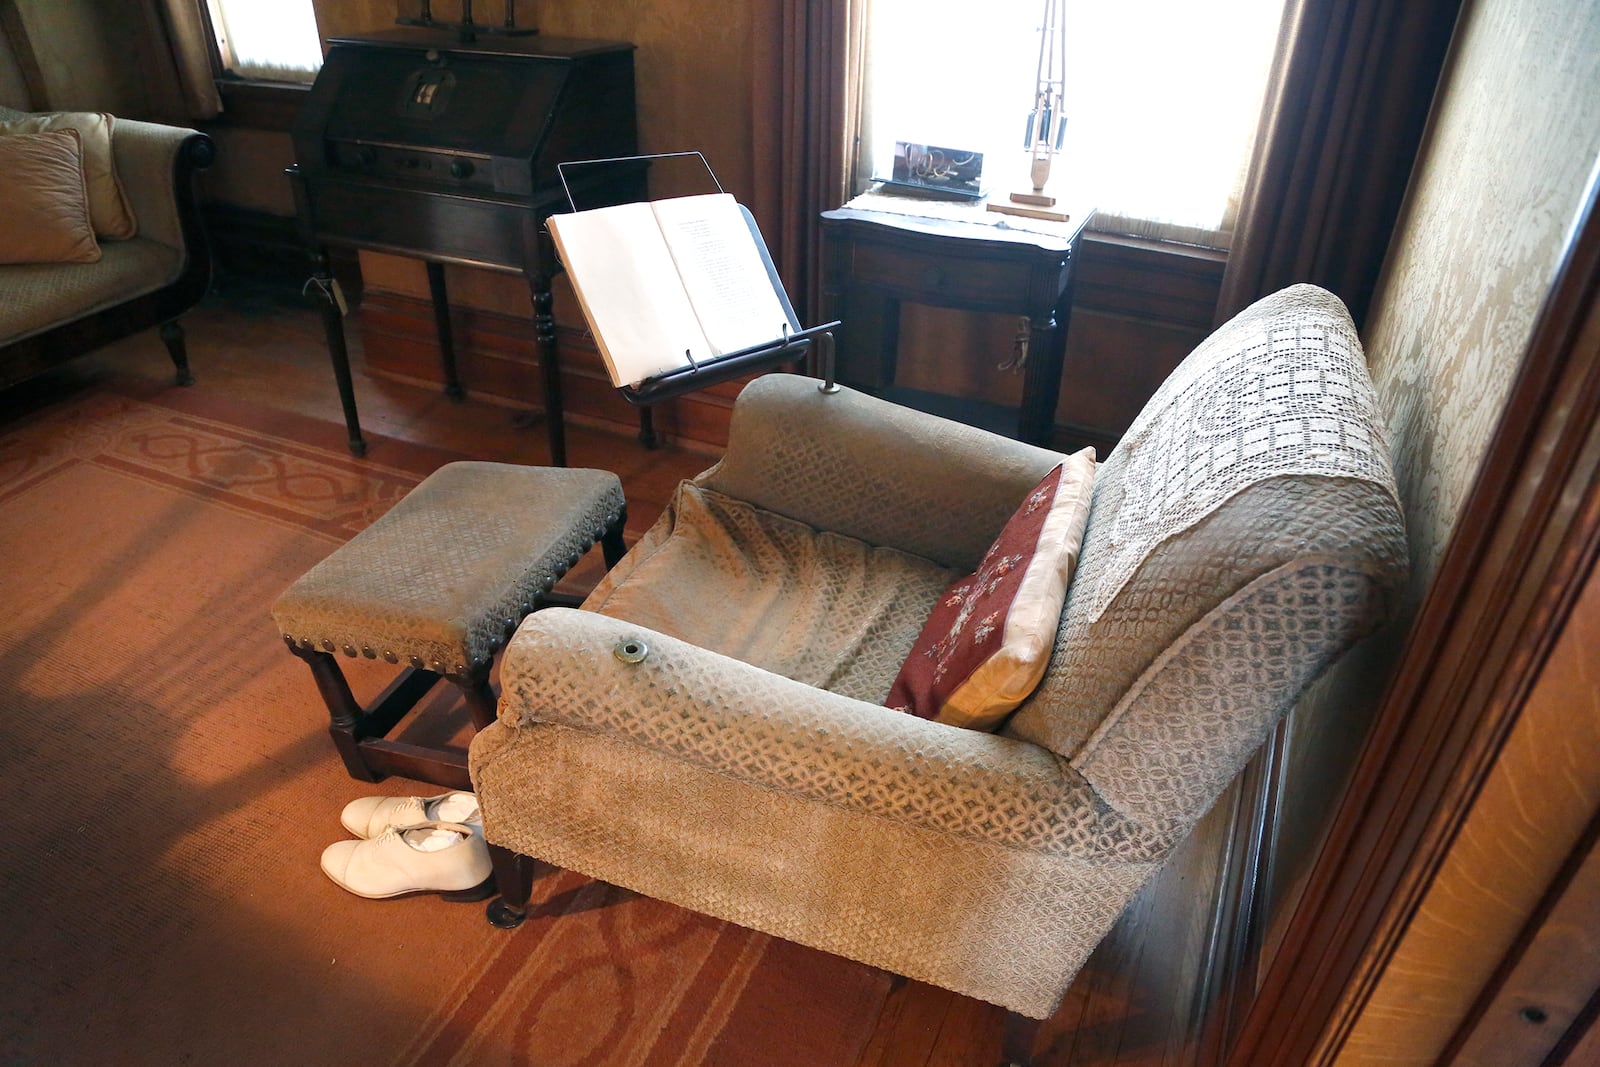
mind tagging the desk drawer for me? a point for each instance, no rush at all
(948, 280)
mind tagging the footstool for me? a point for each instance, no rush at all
(437, 585)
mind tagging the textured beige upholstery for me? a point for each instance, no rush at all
(40, 296)
(439, 578)
(1243, 535)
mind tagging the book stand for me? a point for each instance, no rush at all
(815, 343)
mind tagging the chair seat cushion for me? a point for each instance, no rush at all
(821, 608)
(987, 641)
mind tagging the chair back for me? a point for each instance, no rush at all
(1244, 533)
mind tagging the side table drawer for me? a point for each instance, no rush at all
(940, 278)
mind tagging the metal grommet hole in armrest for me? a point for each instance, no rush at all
(631, 650)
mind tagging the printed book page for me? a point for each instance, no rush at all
(627, 282)
(722, 270)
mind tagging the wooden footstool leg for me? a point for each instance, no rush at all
(392, 593)
(478, 694)
(343, 712)
(611, 543)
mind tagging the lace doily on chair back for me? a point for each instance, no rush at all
(1280, 389)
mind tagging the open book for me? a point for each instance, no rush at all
(669, 283)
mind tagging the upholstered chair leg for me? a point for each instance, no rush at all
(172, 336)
(513, 878)
(1016, 1044)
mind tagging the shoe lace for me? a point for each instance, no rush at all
(409, 811)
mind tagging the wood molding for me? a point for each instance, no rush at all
(1527, 536)
(1151, 281)
(1553, 970)
(498, 360)
(260, 105)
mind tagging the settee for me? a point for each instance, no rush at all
(53, 312)
(1243, 534)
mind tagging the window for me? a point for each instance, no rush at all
(273, 40)
(1162, 99)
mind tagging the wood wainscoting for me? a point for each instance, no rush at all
(1140, 307)
(498, 361)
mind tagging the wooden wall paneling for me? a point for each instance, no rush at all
(1139, 307)
(1505, 587)
(497, 360)
(1532, 812)
(1150, 281)
(1540, 1003)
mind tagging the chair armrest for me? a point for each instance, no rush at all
(886, 474)
(156, 165)
(686, 703)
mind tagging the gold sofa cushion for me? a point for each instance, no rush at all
(47, 217)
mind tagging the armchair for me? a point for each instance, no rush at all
(700, 735)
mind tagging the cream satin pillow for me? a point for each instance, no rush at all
(46, 216)
(108, 203)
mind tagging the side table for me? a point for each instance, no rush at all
(882, 250)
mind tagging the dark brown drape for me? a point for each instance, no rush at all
(807, 93)
(1345, 111)
(182, 29)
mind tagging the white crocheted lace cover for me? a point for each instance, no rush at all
(1281, 389)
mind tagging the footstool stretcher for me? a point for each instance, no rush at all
(436, 586)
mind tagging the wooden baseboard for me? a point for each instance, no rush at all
(497, 359)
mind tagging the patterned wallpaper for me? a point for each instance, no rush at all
(1510, 154)
(1515, 135)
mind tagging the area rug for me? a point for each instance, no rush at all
(169, 785)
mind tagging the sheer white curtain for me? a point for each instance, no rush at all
(1162, 99)
(271, 39)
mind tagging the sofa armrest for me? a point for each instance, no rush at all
(156, 164)
(860, 466)
(688, 704)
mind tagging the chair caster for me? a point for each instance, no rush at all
(503, 915)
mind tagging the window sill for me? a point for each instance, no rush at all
(260, 105)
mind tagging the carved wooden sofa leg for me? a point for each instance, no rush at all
(172, 336)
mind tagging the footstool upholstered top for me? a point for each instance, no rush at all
(441, 578)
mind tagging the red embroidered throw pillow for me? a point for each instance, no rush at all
(989, 638)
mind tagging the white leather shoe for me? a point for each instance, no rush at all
(371, 816)
(447, 858)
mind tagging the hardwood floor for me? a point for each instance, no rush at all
(1137, 1002)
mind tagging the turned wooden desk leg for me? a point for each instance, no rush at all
(332, 315)
(441, 322)
(333, 325)
(544, 330)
